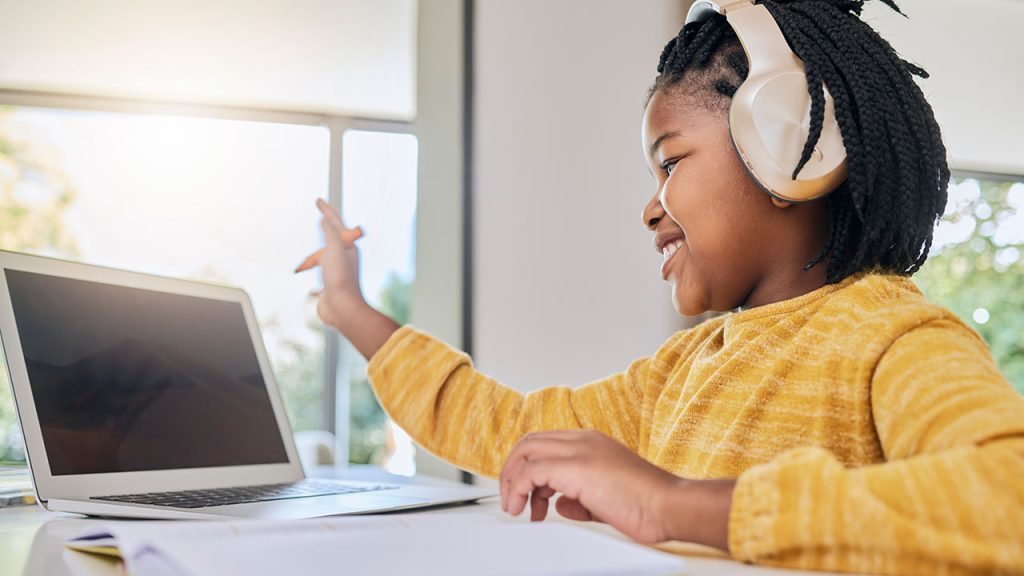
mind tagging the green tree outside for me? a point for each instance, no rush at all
(301, 383)
(981, 279)
(367, 433)
(34, 197)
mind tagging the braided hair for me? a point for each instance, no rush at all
(883, 215)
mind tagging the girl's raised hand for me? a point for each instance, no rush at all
(340, 262)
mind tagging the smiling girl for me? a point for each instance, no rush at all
(832, 418)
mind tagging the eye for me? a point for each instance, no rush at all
(669, 167)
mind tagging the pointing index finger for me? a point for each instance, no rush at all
(330, 214)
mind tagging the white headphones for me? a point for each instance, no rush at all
(769, 118)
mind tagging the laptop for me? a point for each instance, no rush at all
(143, 396)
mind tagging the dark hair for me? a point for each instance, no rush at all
(883, 216)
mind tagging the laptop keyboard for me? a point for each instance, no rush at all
(245, 494)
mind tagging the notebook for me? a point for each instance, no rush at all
(451, 544)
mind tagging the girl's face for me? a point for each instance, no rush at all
(726, 243)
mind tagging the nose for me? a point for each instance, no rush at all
(653, 212)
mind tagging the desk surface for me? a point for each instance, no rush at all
(31, 539)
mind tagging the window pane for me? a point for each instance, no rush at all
(215, 200)
(976, 267)
(379, 194)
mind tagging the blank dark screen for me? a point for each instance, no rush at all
(126, 379)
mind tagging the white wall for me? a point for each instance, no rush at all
(565, 278)
(437, 291)
(973, 52)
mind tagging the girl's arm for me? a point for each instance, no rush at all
(433, 392)
(950, 499)
(366, 328)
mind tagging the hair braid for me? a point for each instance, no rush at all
(879, 238)
(857, 137)
(915, 143)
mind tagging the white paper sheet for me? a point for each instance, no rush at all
(450, 544)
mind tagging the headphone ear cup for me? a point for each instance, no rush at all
(769, 120)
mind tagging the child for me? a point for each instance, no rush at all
(833, 419)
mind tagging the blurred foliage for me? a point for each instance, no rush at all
(34, 196)
(367, 427)
(980, 276)
(301, 381)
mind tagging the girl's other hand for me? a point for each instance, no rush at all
(600, 479)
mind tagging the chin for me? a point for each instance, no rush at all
(685, 304)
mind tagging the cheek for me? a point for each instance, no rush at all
(694, 206)
(674, 203)
(720, 215)
(684, 200)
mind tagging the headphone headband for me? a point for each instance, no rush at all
(769, 118)
(703, 9)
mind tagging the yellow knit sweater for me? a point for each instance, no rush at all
(869, 430)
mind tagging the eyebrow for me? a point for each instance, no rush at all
(662, 138)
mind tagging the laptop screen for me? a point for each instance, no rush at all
(127, 379)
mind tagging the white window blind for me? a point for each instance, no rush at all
(347, 57)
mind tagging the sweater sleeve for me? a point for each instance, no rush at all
(433, 392)
(948, 500)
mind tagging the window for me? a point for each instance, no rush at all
(225, 201)
(155, 138)
(379, 180)
(976, 267)
(213, 200)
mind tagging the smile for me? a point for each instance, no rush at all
(671, 248)
(668, 252)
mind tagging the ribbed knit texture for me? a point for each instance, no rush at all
(870, 431)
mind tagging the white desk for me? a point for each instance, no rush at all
(31, 539)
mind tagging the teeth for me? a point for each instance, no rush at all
(671, 248)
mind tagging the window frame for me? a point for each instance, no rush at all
(985, 175)
(336, 385)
